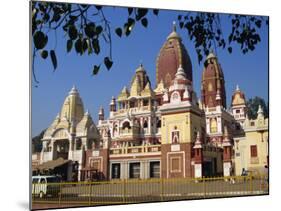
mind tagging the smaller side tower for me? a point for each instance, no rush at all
(238, 106)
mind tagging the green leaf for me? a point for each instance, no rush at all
(229, 49)
(78, 46)
(90, 49)
(46, 17)
(99, 30)
(44, 54)
(72, 32)
(181, 24)
(96, 69)
(40, 39)
(56, 17)
(155, 12)
(96, 46)
(108, 63)
(130, 10)
(118, 31)
(200, 57)
(141, 13)
(54, 59)
(230, 38)
(144, 22)
(90, 29)
(85, 44)
(128, 27)
(98, 7)
(258, 23)
(69, 45)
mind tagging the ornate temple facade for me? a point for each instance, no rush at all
(166, 131)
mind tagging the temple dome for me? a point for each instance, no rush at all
(172, 55)
(72, 109)
(238, 97)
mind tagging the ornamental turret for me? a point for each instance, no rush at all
(238, 106)
(260, 113)
(101, 114)
(112, 106)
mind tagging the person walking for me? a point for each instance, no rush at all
(244, 174)
(232, 180)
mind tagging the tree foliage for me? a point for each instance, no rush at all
(37, 142)
(253, 106)
(86, 26)
(206, 31)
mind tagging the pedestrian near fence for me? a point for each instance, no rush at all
(244, 174)
(232, 180)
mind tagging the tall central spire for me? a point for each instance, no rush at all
(172, 55)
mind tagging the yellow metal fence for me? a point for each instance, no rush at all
(148, 190)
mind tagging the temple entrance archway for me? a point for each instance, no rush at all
(61, 149)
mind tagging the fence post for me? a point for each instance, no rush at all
(60, 193)
(162, 188)
(204, 185)
(90, 192)
(124, 190)
(251, 184)
(33, 192)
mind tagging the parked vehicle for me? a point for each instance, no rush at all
(45, 186)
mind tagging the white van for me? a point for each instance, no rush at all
(45, 186)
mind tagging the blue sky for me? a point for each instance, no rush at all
(250, 71)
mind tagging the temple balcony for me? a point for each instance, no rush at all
(131, 150)
(132, 110)
(129, 133)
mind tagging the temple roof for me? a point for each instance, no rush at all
(140, 85)
(72, 108)
(72, 116)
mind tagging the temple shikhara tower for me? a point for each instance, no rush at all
(166, 131)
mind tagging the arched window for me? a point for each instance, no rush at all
(175, 97)
(214, 127)
(145, 124)
(145, 102)
(78, 144)
(126, 125)
(115, 130)
(175, 137)
(158, 123)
